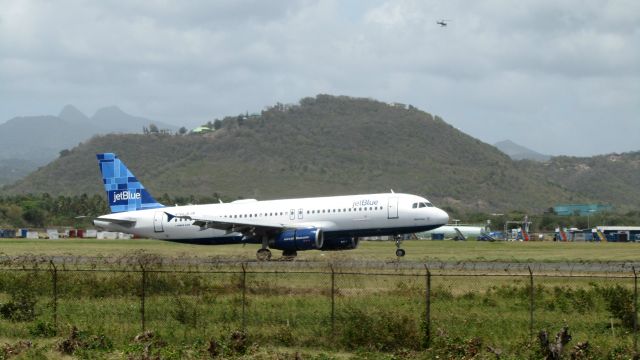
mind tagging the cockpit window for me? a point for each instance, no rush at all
(422, 205)
(415, 205)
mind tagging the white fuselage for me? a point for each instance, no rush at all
(353, 215)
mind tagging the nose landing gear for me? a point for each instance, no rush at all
(399, 251)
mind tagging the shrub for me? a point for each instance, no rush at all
(620, 303)
(20, 308)
(82, 341)
(184, 310)
(42, 329)
(378, 330)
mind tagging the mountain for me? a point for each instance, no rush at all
(112, 119)
(325, 145)
(519, 152)
(72, 115)
(34, 141)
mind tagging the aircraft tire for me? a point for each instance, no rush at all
(400, 252)
(263, 255)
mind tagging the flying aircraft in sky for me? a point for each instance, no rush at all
(443, 22)
(290, 225)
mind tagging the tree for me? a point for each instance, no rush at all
(182, 131)
(153, 128)
(217, 124)
(34, 216)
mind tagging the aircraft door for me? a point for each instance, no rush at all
(158, 218)
(392, 208)
(292, 214)
(300, 214)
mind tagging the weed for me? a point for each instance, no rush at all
(184, 310)
(284, 335)
(619, 303)
(10, 350)
(82, 341)
(43, 329)
(235, 344)
(447, 346)
(20, 308)
(378, 330)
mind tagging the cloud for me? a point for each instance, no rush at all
(499, 69)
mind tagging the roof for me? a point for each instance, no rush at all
(619, 228)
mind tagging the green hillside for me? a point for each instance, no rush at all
(612, 179)
(323, 146)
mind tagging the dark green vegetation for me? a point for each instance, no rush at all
(224, 312)
(42, 210)
(338, 145)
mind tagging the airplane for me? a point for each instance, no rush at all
(290, 225)
(443, 22)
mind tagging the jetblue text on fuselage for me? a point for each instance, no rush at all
(365, 202)
(125, 195)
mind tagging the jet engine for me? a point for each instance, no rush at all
(298, 239)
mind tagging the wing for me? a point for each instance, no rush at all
(230, 226)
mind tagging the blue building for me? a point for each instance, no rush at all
(580, 209)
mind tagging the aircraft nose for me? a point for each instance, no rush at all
(442, 217)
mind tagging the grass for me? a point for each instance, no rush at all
(373, 313)
(417, 250)
(287, 312)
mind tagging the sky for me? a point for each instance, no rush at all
(561, 77)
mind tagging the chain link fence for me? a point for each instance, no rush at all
(459, 312)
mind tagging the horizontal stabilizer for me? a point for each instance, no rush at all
(121, 222)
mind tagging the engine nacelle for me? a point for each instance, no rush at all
(299, 239)
(341, 243)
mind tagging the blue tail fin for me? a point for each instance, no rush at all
(124, 191)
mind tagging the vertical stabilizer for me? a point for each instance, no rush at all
(124, 191)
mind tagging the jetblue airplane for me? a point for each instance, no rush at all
(290, 225)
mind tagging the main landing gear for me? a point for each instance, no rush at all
(264, 254)
(399, 251)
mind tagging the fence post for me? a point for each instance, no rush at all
(530, 303)
(143, 285)
(635, 312)
(427, 310)
(244, 297)
(54, 283)
(333, 301)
